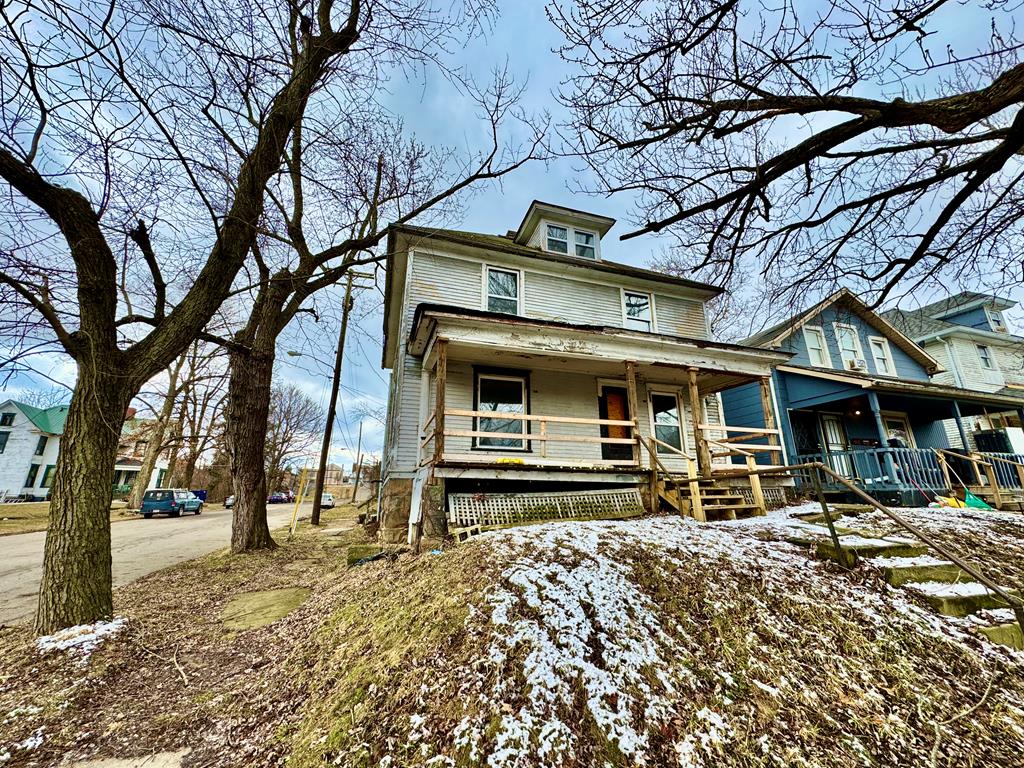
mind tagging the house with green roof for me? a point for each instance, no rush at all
(29, 446)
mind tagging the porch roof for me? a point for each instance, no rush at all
(507, 339)
(850, 384)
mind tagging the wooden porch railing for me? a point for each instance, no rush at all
(729, 447)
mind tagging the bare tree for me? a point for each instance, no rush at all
(296, 421)
(855, 142)
(137, 144)
(358, 173)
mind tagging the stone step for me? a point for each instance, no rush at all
(1005, 634)
(905, 570)
(960, 599)
(855, 548)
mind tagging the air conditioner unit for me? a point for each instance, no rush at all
(860, 364)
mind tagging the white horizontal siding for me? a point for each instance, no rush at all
(677, 316)
(548, 297)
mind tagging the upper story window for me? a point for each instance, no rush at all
(3, 441)
(849, 346)
(637, 311)
(141, 446)
(558, 239)
(995, 320)
(814, 338)
(881, 355)
(985, 354)
(584, 242)
(6, 419)
(41, 445)
(586, 247)
(503, 291)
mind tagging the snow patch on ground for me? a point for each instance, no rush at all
(82, 639)
(907, 562)
(571, 631)
(945, 589)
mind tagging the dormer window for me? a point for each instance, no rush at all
(585, 248)
(995, 320)
(636, 311)
(558, 239)
(584, 242)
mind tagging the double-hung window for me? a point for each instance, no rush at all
(667, 426)
(985, 355)
(583, 242)
(504, 395)
(586, 244)
(47, 480)
(636, 309)
(558, 239)
(4, 436)
(503, 291)
(814, 338)
(33, 471)
(6, 419)
(849, 345)
(41, 445)
(881, 355)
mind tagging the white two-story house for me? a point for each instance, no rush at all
(970, 336)
(527, 366)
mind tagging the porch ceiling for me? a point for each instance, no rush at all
(509, 341)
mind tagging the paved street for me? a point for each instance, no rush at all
(139, 547)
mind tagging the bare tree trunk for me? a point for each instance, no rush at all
(156, 437)
(76, 583)
(246, 431)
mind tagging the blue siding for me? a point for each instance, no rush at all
(742, 408)
(906, 366)
(972, 318)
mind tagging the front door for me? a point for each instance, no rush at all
(613, 404)
(835, 444)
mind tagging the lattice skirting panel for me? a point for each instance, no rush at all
(498, 510)
(774, 496)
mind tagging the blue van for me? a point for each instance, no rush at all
(170, 501)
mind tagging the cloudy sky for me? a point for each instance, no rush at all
(523, 40)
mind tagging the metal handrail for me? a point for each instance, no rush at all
(1015, 603)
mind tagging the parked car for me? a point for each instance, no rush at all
(170, 501)
(326, 500)
(277, 497)
(229, 502)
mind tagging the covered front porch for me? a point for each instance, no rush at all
(891, 438)
(510, 403)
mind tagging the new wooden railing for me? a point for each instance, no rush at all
(745, 435)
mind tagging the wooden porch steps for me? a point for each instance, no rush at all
(717, 502)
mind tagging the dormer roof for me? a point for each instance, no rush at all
(559, 214)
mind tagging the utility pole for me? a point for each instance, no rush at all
(359, 461)
(332, 405)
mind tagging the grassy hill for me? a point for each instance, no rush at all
(654, 642)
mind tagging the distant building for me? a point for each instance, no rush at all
(30, 443)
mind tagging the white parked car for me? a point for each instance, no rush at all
(326, 501)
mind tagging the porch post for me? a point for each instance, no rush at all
(769, 417)
(876, 411)
(960, 426)
(440, 382)
(633, 408)
(703, 452)
(1020, 415)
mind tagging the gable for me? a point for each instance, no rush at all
(845, 308)
(828, 322)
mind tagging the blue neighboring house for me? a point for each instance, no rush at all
(858, 395)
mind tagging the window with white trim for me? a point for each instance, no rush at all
(995, 320)
(881, 355)
(586, 244)
(817, 351)
(668, 427)
(6, 419)
(505, 395)
(503, 291)
(848, 341)
(637, 311)
(985, 355)
(558, 239)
